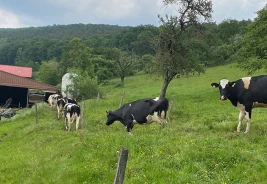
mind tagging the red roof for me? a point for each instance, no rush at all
(8, 79)
(17, 70)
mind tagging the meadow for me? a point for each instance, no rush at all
(199, 144)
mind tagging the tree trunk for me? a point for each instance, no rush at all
(164, 87)
(122, 79)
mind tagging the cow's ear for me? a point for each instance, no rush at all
(214, 85)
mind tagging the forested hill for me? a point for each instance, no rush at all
(60, 31)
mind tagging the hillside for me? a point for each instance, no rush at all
(59, 31)
(199, 144)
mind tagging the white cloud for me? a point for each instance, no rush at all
(237, 9)
(9, 20)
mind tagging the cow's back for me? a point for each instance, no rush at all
(142, 108)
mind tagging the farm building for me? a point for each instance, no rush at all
(17, 88)
(17, 70)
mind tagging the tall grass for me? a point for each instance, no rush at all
(199, 144)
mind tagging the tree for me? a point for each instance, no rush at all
(77, 56)
(252, 55)
(123, 62)
(48, 72)
(103, 69)
(172, 54)
(83, 85)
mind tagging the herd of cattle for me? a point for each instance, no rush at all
(245, 94)
(66, 107)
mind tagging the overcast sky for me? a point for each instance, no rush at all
(27, 13)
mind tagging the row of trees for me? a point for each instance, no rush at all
(182, 45)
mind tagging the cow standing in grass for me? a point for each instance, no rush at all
(61, 102)
(142, 111)
(52, 100)
(245, 94)
(71, 114)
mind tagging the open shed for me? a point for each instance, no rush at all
(17, 88)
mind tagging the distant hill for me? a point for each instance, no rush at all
(59, 31)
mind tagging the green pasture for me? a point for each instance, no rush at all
(199, 144)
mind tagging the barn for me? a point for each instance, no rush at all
(17, 88)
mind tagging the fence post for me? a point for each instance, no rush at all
(82, 113)
(123, 95)
(123, 157)
(36, 113)
(98, 97)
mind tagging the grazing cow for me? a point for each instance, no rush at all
(245, 94)
(71, 113)
(61, 102)
(52, 100)
(140, 111)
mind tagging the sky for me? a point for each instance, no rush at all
(34, 13)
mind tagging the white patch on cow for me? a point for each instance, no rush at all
(246, 81)
(134, 121)
(240, 106)
(71, 119)
(130, 104)
(257, 104)
(52, 100)
(156, 99)
(223, 83)
(154, 118)
(241, 116)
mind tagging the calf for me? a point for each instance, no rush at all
(245, 94)
(61, 102)
(52, 100)
(71, 113)
(141, 111)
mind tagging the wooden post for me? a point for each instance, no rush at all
(36, 114)
(123, 157)
(82, 114)
(122, 98)
(98, 97)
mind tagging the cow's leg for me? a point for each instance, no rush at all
(58, 113)
(240, 119)
(129, 127)
(248, 110)
(68, 119)
(77, 122)
(163, 117)
(66, 122)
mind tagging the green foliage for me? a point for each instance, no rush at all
(104, 69)
(198, 145)
(173, 56)
(48, 72)
(77, 56)
(83, 85)
(229, 28)
(63, 32)
(254, 45)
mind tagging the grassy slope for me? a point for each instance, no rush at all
(199, 145)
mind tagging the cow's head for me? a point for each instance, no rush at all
(224, 87)
(110, 118)
(61, 102)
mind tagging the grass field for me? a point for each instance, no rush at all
(199, 145)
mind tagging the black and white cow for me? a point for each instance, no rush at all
(245, 94)
(141, 111)
(71, 113)
(52, 100)
(61, 102)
